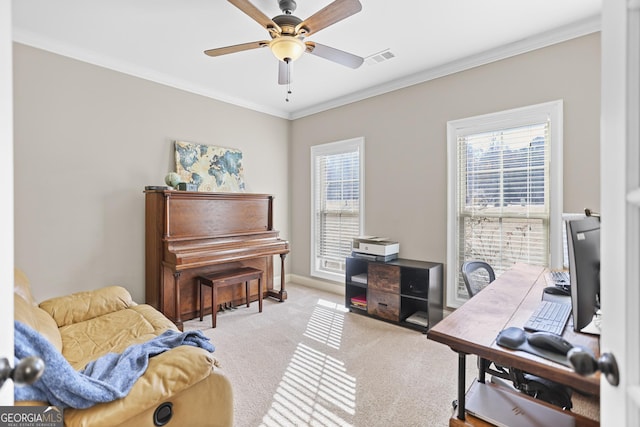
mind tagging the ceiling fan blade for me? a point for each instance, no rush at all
(254, 13)
(332, 13)
(284, 72)
(235, 48)
(332, 54)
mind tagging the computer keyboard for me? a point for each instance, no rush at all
(550, 317)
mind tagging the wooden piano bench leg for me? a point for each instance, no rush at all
(260, 293)
(246, 290)
(200, 282)
(200, 298)
(214, 304)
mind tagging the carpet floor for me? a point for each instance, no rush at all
(309, 362)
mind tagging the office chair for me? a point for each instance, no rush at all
(476, 275)
(541, 388)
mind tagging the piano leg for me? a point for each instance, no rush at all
(283, 292)
(281, 295)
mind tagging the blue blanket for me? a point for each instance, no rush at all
(105, 379)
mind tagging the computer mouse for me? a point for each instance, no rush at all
(556, 290)
(551, 342)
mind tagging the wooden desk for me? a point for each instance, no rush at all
(509, 301)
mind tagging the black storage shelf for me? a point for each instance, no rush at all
(357, 285)
(395, 290)
(420, 297)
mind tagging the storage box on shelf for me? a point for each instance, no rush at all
(402, 291)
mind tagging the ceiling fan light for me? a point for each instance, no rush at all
(287, 48)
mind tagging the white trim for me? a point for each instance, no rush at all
(619, 183)
(552, 111)
(556, 205)
(343, 146)
(6, 212)
(559, 35)
(634, 395)
(452, 207)
(333, 287)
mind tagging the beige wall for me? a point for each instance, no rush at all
(406, 151)
(87, 142)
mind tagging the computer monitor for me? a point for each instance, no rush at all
(567, 216)
(583, 238)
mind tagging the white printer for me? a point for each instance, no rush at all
(378, 246)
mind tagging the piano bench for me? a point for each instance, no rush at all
(227, 278)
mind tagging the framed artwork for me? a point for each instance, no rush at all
(211, 168)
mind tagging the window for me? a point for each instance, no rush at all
(505, 191)
(337, 207)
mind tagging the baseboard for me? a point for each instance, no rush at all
(323, 285)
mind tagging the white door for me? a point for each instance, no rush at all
(620, 209)
(6, 207)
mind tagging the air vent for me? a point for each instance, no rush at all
(379, 57)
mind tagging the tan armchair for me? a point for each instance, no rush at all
(181, 387)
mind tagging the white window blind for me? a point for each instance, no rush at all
(502, 193)
(337, 205)
(503, 206)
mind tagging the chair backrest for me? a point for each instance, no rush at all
(476, 275)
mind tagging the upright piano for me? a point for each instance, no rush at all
(190, 233)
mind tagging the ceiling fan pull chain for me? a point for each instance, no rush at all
(288, 61)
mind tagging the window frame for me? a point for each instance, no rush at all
(344, 146)
(551, 111)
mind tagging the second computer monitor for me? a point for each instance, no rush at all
(583, 238)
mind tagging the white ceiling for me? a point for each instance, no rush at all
(164, 40)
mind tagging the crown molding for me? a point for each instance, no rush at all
(30, 39)
(568, 32)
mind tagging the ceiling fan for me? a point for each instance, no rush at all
(287, 33)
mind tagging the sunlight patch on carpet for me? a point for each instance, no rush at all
(326, 322)
(315, 389)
